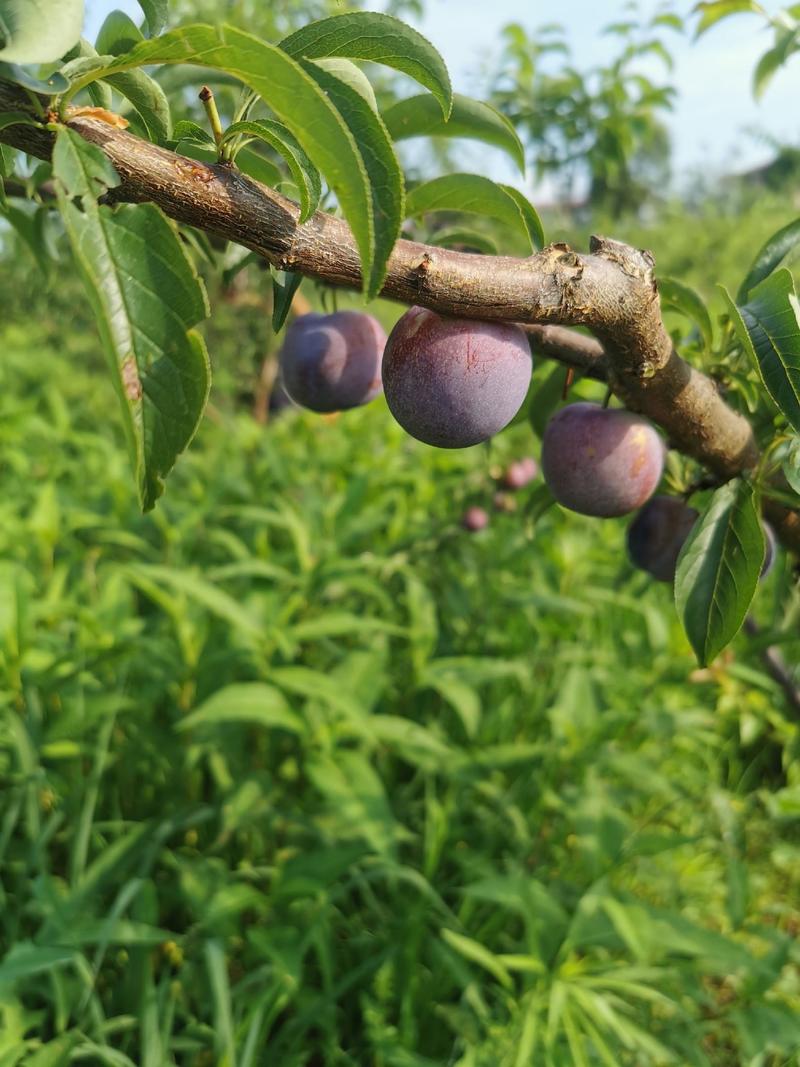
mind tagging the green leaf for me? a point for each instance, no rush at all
(772, 60)
(712, 11)
(193, 132)
(146, 295)
(55, 83)
(774, 250)
(477, 953)
(250, 702)
(16, 118)
(477, 195)
(149, 100)
(30, 229)
(118, 34)
(464, 240)
(155, 11)
(224, 1040)
(380, 39)
(689, 303)
(791, 464)
(421, 116)
(768, 327)
(55, 1053)
(275, 134)
(529, 215)
(385, 179)
(256, 166)
(299, 101)
(718, 570)
(352, 75)
(285, 284)
(7, 157)
(26, 959)
(38, 31)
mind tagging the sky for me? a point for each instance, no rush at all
(716, 127)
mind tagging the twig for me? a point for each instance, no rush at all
(776, 666)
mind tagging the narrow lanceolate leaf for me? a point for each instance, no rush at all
(711, 11)
(380, 39)
(15, 118)
(146, 297)
(718, 570)
(54, 83)
(385, 179)
(276, 135)
(118, 34)
(301, 104)
(351, 73)
(250, 703)
(775, 249)
(149, 100)
(477, 195)
(38, 31)
(285, 284)
(689, 303)
(772, 60)
(768, 327)
(528, 214)
(791, 465)
(155, 11)
(421, 116)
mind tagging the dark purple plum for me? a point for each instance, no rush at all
(475, 519)
(657, 535)
(601, 461)
(454, 382)
(332, 362)
(520, 473)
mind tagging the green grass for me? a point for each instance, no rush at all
(294, 771)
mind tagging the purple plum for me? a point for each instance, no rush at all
(475, 519)
(332, 362)
(520, 473)
(657, 535)
(601, 461)
(454, 382)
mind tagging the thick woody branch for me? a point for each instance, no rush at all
(611, 290)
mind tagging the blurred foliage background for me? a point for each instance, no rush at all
(296, 772)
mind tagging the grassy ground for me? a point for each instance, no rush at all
(294, 771)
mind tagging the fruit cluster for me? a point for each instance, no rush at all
(455, 382)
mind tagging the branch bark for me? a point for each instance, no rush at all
(611, 290)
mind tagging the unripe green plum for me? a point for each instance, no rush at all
(332, 362)
(657, 535)
(601, 461)
(454, 382)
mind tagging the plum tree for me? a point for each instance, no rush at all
(475, 519)
(600, 461)
(454, 382)
(456, 373)
(332, 362)
(520, 473)
(657, 534)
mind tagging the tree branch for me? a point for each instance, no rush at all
(611, 290)
(775, 666)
